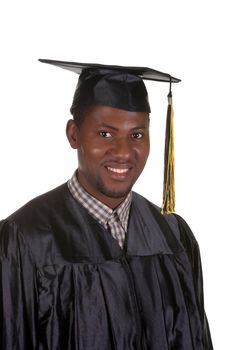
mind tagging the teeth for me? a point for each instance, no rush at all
(118, 171)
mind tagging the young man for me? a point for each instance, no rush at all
(91, 264)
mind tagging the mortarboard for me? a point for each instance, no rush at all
(123, 87)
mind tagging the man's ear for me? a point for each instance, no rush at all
(72, 133)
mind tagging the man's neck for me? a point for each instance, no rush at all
(111, 202)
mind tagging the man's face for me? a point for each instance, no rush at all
(113, 146)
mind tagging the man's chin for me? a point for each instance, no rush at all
(114, 193)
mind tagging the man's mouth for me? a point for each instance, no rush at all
(118, 170)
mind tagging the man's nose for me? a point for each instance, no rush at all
(122, 149)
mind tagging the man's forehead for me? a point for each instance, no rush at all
(101, 115)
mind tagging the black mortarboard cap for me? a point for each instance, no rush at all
(123, 87)
(116, 86)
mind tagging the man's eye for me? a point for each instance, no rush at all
(137, 135)
(105, 134)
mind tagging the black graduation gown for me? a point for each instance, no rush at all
(66, 284)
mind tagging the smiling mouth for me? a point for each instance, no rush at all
(117, 170)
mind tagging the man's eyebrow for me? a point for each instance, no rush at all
(142, 126)
(104, 125)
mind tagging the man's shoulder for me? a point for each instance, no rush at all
(176, 222)
(145, 204)
(39, 205)
(35, 218)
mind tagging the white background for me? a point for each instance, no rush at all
(191, 40)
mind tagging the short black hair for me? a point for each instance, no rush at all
(80, 112)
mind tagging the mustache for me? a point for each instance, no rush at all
(121, 164)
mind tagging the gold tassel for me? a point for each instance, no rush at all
(168, 205)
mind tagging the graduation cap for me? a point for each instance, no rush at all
(123, 87)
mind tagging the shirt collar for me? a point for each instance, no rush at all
(101, 212)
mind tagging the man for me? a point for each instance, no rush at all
(91, 264)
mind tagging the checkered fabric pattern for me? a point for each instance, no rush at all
(116, 220)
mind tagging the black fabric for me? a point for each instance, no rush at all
(66, 284)
(116, 86)
(142, 72)
(110, 88)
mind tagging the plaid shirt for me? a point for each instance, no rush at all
(116, 220)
